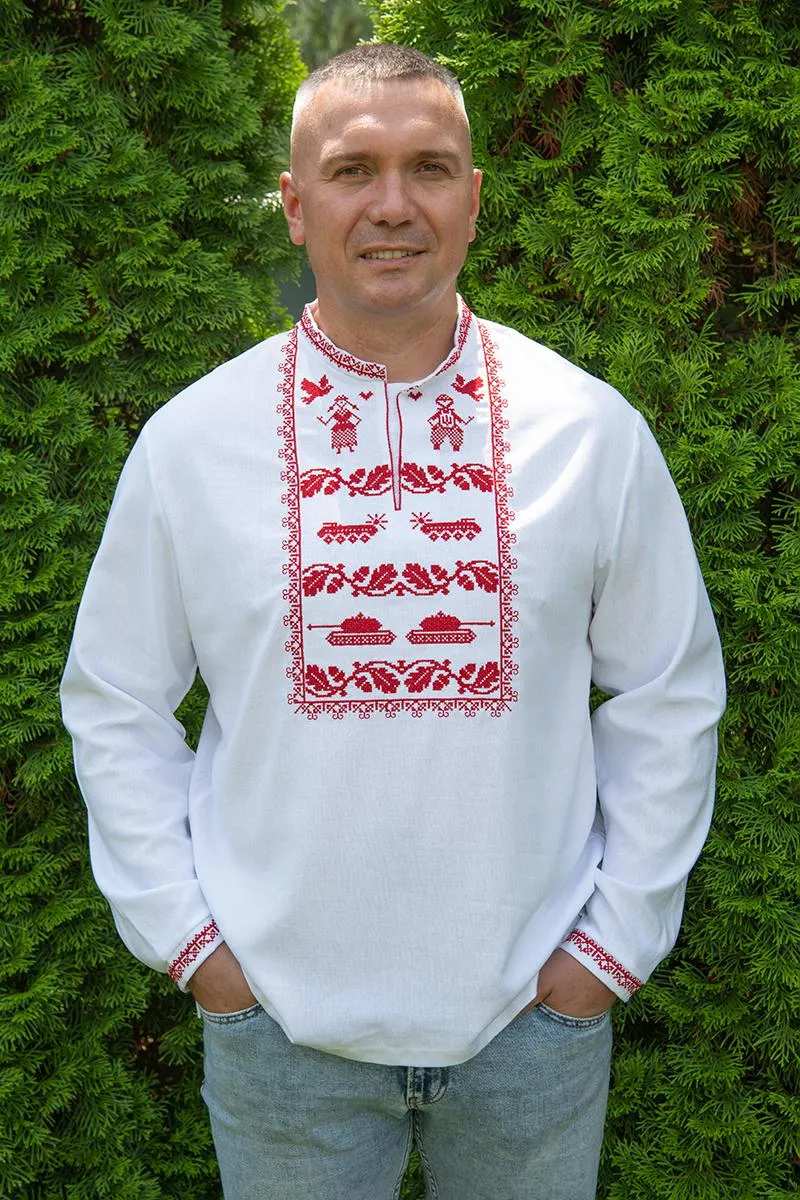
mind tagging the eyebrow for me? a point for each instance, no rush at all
(335, 160)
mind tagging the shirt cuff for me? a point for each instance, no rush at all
(602, 964)
(202, 942)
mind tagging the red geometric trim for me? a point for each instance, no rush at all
(464, 321)
(208, 934)
(291, 522)
(604, 960)
(413, 580)
(357, 366)
(388, 677)
(503, 493)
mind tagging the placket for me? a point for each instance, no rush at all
(394, 439)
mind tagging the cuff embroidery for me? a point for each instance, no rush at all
(604, 960)
(208, 934)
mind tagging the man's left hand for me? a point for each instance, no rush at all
(569, 988)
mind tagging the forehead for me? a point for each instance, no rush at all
(380, 117)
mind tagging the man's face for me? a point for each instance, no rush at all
(383, 195)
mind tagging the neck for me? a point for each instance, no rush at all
(409, 348)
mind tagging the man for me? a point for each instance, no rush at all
(407, 930)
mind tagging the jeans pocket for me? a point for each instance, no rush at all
(573, 1022)
(229, 1018)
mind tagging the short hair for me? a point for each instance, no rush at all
(377, 64)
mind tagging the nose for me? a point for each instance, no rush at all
(391, 202)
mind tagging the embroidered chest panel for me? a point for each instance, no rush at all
(399, 552)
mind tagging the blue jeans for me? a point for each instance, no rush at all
(522, 1120)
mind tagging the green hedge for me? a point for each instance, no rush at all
(641, 215)
(138, 142)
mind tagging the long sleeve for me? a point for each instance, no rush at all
(130, 664)
(656, 653)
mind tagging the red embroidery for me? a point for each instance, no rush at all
(365, 395)
(471, 387)
(388, 677)
(464, 322)
(357, 631)
(333, 531)
(464, 527)
(413, 580)
(424, 480)
(604, 960)
(345, 418)
(312, 391)
(424, 686)
(208, 934)
(442, 628)
(357, 366)
(375, 482)
(445, 423)
(415, 393)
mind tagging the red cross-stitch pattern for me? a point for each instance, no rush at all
(357, 631)
(358, 366)
(343, 420)
(423, 686)
(464, 322)
(469, 387)
(464, 527)
(208, 934)
(443, 628)
(386, 580)
(415, 677)
(377, 481)
(446, 424)
(604, 960)
(312, 391)
(335, 531)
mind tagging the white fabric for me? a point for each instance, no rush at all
(392, 885)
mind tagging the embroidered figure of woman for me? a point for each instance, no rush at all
(345, 418)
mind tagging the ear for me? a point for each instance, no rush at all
(475, 206)
(292, 209)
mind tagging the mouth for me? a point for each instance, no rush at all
(389, 255)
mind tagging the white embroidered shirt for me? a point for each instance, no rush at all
(398, 596)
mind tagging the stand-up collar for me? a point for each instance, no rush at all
(352, 365)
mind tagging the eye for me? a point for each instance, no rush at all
(350, 172)
(432, 168)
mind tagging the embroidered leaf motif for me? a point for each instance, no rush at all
(382, 579)
(479, 572)
(415, 478)
(486, 678)
(378, 481)
(421, 676)
(318, 479)
(477, 474)
(317, 681)
(419, 579)
(322, 577)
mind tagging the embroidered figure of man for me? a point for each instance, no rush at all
(446, 423)
(345, 418)
(409, 931)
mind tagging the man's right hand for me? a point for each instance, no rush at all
(219, 986)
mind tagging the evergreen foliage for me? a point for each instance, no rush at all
(323, 28)
(138, 141)
(641, 215)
